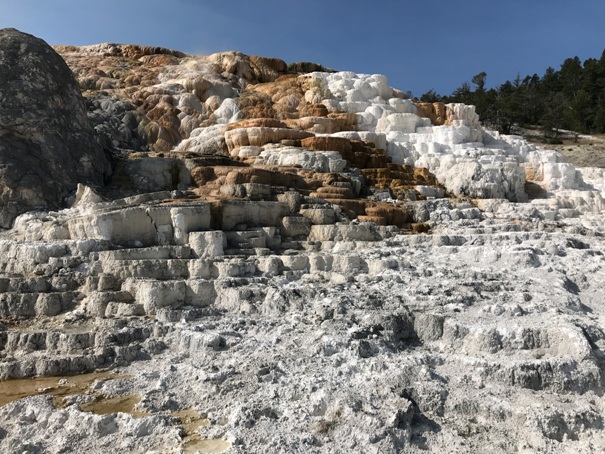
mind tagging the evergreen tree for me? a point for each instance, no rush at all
(431, 96)
(571, 98)
(552, 120)
(462, 94)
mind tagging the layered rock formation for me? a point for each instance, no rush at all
(287, 260)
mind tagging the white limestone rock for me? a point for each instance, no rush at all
(227, 112)
(200, 292)
(189, 219)
(252, 191)
(210, 140)
(594, 177)
(318, 161)
(154, 294)
(481, 180)
(400, 122)
(319, 216)
(85, 195)
(208, 244)
(463, 115)
(557, 176)
(147, 226)
(247, 151)
(293, 226)
(344, 232)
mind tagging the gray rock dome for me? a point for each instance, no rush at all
(47, 144)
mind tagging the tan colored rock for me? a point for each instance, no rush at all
(234, 63)
(395, 176)
(286, 94)
(339, 144)
(378, 220)
(332, 192)
(254, 104)
(346, 121)
(533, 172)
(353, 207)
(420, 227)
(392, 215)
(363, 156)
(130, 51)
(220, 175)
(315, 110)
(158, 60)
(259, 136)
(267, 69)
(317, 125)
(436, 112)
(256, 123)
(197, 85)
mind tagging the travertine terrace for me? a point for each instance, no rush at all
(287, 258)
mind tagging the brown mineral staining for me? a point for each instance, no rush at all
(217, 118)
(436, 112)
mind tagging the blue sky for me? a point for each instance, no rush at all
(419, 45)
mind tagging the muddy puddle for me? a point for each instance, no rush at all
(61, 387)
(109, 405)
(191, 420)
(58, 387)
(195, 443)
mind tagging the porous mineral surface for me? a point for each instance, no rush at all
(291, 259)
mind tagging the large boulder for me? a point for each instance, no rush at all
(47, 145)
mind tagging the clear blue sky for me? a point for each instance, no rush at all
(419, 44)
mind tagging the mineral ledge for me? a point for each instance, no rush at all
(304, 258)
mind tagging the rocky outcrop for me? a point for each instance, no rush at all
(47, 145)
(312, 262)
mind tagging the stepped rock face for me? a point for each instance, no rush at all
(288, 258)
(47, 145)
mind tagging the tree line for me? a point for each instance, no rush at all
(571, 98)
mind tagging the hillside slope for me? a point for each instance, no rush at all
(291, 259)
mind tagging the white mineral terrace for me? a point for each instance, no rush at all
(291, 328)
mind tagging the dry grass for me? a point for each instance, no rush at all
(581, 151)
